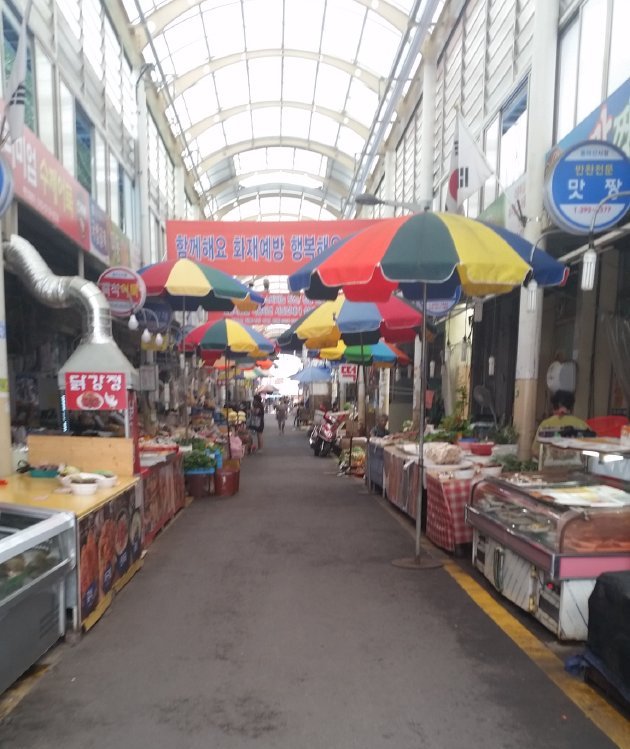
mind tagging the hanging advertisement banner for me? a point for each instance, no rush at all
(256, 247)
(43, 184)
(96, 391)
(581, 178)
(124, 289)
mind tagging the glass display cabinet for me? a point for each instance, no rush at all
(542, 542)
(37, 571)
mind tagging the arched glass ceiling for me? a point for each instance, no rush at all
(274, 100)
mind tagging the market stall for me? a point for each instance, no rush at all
(400, 479)
(37, 577)
(163, 489)
(542, 539)
(109, 531)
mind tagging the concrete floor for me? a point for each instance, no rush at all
(275, 619)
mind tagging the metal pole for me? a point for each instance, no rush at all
(6, 462)
(422, 414)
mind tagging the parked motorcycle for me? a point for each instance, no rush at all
(326, 436)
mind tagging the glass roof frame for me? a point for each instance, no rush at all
(257, 91)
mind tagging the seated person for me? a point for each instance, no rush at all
(562, 402)
(380, 428)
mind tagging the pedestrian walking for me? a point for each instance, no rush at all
(281, 415)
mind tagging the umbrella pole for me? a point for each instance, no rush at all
(227, 415)
(185, 376)
(420, 561)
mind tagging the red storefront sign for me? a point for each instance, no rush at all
(96, 391)
(124, 289)
(348, 373)
(43, 183)
(275, 248)
(278, 308)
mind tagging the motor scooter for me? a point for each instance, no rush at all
(326, 439)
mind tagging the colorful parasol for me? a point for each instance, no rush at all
(425, 256)
(426, 249)
(354, 323)
(380, 354)
(189, 285)
(231, 338)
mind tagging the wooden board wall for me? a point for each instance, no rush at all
(87, 453)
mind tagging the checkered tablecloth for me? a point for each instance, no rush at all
(400, 480)
(446, 500)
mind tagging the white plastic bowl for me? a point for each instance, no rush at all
(84, 490)
(464, 474)
(491, 470)
(106, 482)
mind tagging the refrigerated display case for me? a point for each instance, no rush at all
(543, 543)
(37, 576)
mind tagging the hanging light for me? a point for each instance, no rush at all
(589, 264)
(133, 323)
(532, 295)
(477, 310)
(159, 340)
(447, 352)
(491, 363)
(431, 368)
(146, 336)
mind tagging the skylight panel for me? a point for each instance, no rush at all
(332, 87)
(200, 100)
(211, 141)
(238, 128)
(247, 162)
(298, 79)
(281, 157)
(190, 55)
(223, 28)
(379, 44)
(350, 142)
(311, 162)
(266, 122)
(303, 24)
(289, 178)
(265, 79)
(362, 102)
(324, 129)
(232, 85)
(295, 122)
(263, 24)
(342, 30)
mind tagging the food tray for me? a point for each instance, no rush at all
(38, 473)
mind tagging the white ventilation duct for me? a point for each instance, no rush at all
(97, 352)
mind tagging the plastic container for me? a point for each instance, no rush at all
(491, 470)
(226, 479)
(464, 474)
(84, 490)
(40, 473)
(481, 448)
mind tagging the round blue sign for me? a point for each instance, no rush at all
(586, 174)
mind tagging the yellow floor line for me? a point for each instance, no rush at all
(603, 715)
(610, 722)
(10, 699)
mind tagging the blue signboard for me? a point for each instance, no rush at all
(583, 176)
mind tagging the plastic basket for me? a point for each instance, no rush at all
(607, 426)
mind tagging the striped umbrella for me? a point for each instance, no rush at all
(353, 323)
(188, 285)
(231, 338)
(380, 354)
(426, 252)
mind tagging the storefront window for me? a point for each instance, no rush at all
(566, 90)
(45, 99)
(101, 171)
(10, 34)
(114, 190)
(66, 108)
(619, 61)
(84, 148)
(513, 146)
(492, 155)
(591, 57)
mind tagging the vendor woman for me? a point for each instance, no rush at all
(562, 402)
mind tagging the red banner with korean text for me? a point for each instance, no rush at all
(96, 391)
(275, 248)
(43, 183)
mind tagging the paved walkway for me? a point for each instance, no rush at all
(275, 619)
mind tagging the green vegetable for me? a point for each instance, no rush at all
(198, 459)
